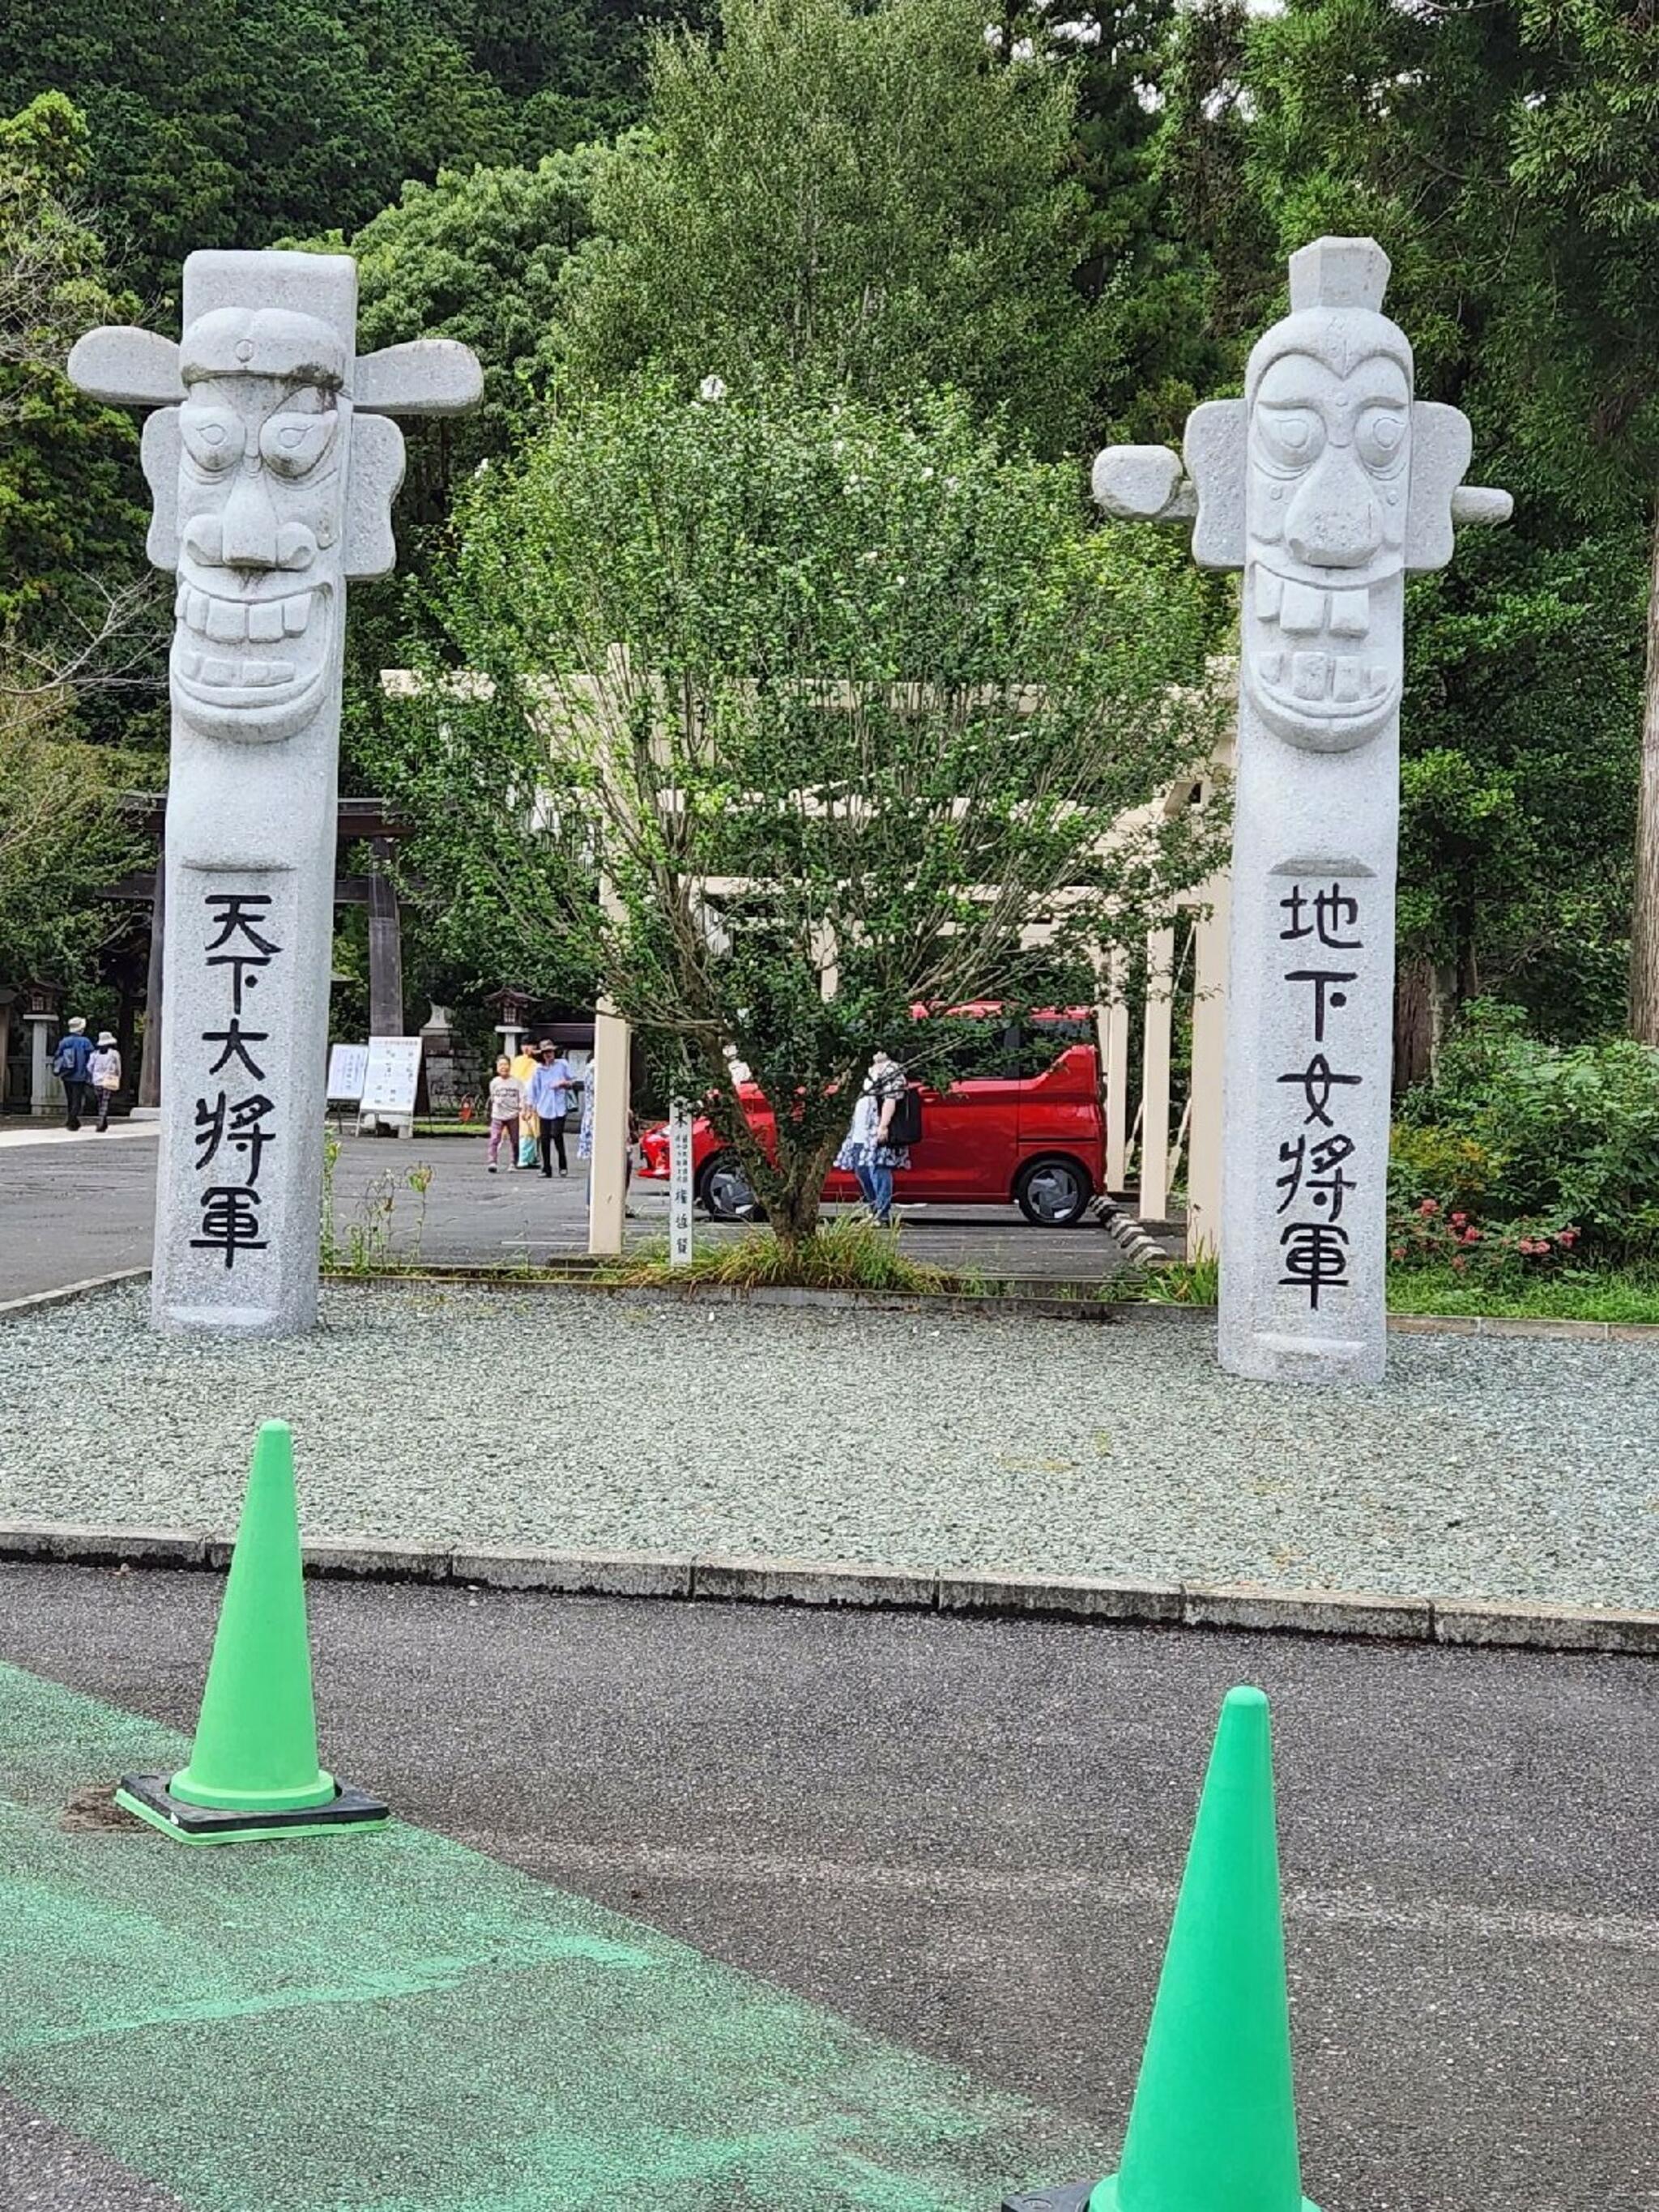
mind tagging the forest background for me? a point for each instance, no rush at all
(1074, 218)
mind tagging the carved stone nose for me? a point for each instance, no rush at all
(249, 524)
(204, 539)
(1333, 521)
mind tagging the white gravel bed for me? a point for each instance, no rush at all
(1499, 1467)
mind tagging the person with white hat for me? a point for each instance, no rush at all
(106, 1071)
(70, 1065)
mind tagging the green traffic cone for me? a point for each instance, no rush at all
(256, 1741)
(1212, 2128)
(253, 1767)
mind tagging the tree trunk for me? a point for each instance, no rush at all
(1645, 899)
(1413, 1023)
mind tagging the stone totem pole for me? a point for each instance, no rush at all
(1325, 484)
(273, 467)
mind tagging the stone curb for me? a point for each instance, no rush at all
(65, 1291)
(1507, 1623)
(1045, 1307)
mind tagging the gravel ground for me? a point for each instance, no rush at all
(1494, 1466)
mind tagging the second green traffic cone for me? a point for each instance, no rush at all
(253, 1767)
(1212, 2128)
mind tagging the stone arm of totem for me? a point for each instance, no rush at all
(1148, 483)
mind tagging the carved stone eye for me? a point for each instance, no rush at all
(213, 437)
(294, 444)
(1379, 436)
(1291, 437)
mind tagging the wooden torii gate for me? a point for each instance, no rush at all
(361, 821)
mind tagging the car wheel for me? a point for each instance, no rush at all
(726, 1192)
(1052, 1193)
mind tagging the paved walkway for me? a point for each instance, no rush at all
(947, 1852)
(74, 1206)
(31, 1136)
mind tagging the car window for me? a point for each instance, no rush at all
(964, 1051)
(1036, 1044)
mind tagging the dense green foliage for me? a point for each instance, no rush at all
(1520, 1148)
(72, 535)
(69, 521)
(236, 121)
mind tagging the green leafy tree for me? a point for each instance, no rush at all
(479, 256)
(1585, 158)
(814, 689)
(850, 198)
(1157, 351)
(62, 835)
(67, 477)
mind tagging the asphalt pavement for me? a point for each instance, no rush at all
(964, 1838)
(80, 1206)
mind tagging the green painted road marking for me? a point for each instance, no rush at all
(393, 2023)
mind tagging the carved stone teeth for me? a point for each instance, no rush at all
(1269, 589)
(1346, 680)
(197, 614)
(1308, 674)
(260, 673)
(265, 621)
(227, 621)
(1302, 614)
(1271, 665)
(1377, 677)
(221, 672)
(1351, 613)
(296, 613)
(181, 604)
(190, 665)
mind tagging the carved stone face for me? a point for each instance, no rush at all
(1326, 502)
(261, 503)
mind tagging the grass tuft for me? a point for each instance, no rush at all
(850, 1254)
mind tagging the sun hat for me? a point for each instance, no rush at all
(105, 1038)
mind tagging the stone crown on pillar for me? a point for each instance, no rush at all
(1339, 272)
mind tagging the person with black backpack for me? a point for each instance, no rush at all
(885, 1123)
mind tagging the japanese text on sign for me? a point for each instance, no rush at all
(233, 1127)
(1314, 1159)
(679, 1184)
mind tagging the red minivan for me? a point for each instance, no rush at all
(1020, 1120)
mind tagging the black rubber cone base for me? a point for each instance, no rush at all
(1064, 2196)
(148, 1797)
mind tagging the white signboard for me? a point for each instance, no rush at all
(348, 1064)
(679, 1184)
(389, 1079)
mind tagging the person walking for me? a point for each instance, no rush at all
(105, 1069)
(550, 1094)
(71, 1063)
(868, 1153)
(525, 1064)
(506, 1104)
